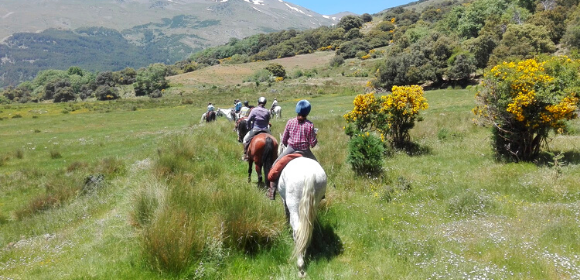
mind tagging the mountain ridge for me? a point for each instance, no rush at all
(152, 31)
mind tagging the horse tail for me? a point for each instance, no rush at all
(306, 215)
(267, 156)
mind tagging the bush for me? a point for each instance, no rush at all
(391, 116)
(336, 61)
(365, 153)
(526, 100)
(106, 93)
(54, 154)
(276, 69)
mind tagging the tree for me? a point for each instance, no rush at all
(349, 22)
(461, 66)
(151, 78)
(276, 69)
(75, 70)
(64, 94)
(105, 79)
(350, 48)
(481, 48)
(366, 17)
(521, 42)
(105, 92)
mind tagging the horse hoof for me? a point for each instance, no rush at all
(301, 274)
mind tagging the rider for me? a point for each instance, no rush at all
(258, 121)
(245, 111)
(210, 111)
(238, 106)
(274, 104)
(299, 135)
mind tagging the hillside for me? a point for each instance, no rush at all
(233, 74)
(39, 35)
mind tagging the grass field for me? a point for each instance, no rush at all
(449, 212)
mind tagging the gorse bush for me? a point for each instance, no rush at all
(402, 108)
(524, 101)
(365, 153)
(391, 116)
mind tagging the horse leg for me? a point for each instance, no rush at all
(249, 170)
(259, 171)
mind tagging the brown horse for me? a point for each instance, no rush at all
(241, 128)
(262, 150)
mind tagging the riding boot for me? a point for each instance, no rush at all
(272, 190)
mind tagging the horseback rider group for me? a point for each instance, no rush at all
(298, 137)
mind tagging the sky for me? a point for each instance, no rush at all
(330, 7)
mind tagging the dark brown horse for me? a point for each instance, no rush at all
(241, 128)
(263, 150)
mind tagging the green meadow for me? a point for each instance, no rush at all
(140, 189)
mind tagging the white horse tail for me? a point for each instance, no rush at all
(307, 215)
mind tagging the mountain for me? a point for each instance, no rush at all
(114, 34)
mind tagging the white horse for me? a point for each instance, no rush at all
(276, 112)
(221, 113)
(230, 114)
(302, 185)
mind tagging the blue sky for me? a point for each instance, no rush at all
(329, 7)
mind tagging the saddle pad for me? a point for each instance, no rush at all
(277, 168)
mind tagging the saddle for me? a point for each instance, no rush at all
(277, 168)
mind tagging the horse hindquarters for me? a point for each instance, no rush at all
(302, 185)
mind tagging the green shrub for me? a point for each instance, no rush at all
(19, 154)
(336, 61)
(54, 154)
(17, 116)
(365, 153)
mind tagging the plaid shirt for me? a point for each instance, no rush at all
(299, 136)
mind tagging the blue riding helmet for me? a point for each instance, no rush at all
(303, 108)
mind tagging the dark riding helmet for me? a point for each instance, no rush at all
(246, 103)
(262, 100)
(303, 108)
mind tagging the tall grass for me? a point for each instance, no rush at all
(200, 194)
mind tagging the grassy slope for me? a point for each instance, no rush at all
(451, 212)
(236, 73)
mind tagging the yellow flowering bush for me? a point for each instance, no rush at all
(525, 100)
(401, 109)
(392, 116)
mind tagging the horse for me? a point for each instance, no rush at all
(301, 185)
(262, 151)
(276, 112)
(241, 128)
(210, 119)
(230, 113)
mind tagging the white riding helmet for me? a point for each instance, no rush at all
(262, 100)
